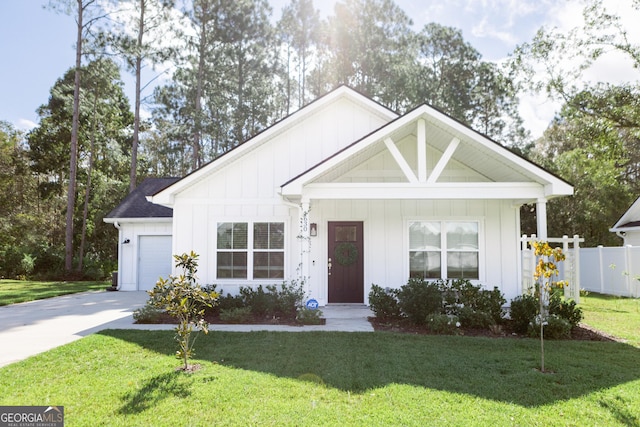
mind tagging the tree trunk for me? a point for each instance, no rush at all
(136, 120)
(73, 161)
(87, 192)
(197, 134)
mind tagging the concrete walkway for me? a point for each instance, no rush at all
(34, 327)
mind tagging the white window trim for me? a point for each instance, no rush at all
(250, 250)
(482, 249)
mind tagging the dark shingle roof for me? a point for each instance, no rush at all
(630, 224)
(135, 205)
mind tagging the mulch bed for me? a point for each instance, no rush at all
(214, 319)
(579, 333)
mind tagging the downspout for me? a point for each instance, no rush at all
(116, 224)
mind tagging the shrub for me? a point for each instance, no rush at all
(230, 301)
(235, 315)
(469, 318)
(260, 302)
(384, 303)
(566, 309)
(556, 328)
(418, 299)
(491, 302)
(148, 314)
(288, 298)
(27, 264)
(461, 293)
(307, 316)
(442, 324)
(524, 309)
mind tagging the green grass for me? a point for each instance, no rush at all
(616, 316)
(128, 378)
(14, 291)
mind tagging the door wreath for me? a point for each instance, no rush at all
(345, 253)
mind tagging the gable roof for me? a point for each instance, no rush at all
(630, 220)
(135, 205)
(489, 159)
(165, 196)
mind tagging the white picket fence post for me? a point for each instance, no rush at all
(570, 270)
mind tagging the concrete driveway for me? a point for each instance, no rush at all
(33, 327)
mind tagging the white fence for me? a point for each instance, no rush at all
(570, 270)
(611, 270)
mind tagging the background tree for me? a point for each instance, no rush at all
(367, 45)
(224, 90)
(86, 12)
(594, 141)
(451, 75)
(299, 33)
(137, 35)
(103, 138)
(22, 228)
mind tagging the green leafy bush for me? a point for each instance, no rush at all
(148, 314)
(418, 299)
(556, 328)
(442, 324)
(307, 316)
(384, 303)
(235, 314)
(288, 298)
(462, 294)
(524, 309)
(260, 302)
(277, 301)
(469, 318)
(566, 309)
(229, 301)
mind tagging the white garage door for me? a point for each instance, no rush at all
(154, 260)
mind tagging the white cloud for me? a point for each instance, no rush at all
(537, 112)
(25, 124)
(484, 28)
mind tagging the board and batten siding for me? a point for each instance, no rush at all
(386, 239)
(129, 252)
(246, 190)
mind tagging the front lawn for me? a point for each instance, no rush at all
(128, 377)
(14, 291)
(616, 316)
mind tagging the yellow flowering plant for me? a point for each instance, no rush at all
(546, 269)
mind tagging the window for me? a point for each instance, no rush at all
(268, 255)
(250, 251)
(444, 249)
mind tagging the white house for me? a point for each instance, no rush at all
(144, 237)
(628, 226)
(344, 194)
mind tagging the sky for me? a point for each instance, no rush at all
(37, 45)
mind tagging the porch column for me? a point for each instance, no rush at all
(541, 216)
(305, 240)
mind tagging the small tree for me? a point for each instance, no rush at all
(546, 268)
(182, 298)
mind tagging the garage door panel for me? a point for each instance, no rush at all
(154, 260)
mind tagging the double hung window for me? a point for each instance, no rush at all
(444, 249)
(250, 250)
